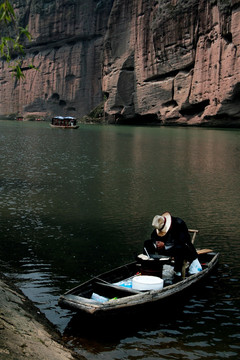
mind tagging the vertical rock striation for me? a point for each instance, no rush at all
(173, 61)
(67, 49)
(163, 61)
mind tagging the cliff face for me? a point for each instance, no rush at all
(174, 61)
(67, 49)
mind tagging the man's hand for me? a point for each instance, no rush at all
(160, 245)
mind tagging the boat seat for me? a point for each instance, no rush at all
(110, 291)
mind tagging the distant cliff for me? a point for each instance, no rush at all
(67, 49)
(153, 61)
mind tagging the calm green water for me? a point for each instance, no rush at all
(76, 203)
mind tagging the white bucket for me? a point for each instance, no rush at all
(147, 282)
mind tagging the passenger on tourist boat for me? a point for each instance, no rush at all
(67, 122)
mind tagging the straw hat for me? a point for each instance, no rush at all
(162, 223)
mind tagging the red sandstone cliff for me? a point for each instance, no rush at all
(67, 49)
(177, 61)
(174, 61)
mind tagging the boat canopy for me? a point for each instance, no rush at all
(64, 117)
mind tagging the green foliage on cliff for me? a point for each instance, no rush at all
(12, 39)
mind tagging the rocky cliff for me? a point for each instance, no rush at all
(174, 61)
(157, 61)
(67, 50)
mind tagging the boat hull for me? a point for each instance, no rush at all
(64, 127)
(78, 299)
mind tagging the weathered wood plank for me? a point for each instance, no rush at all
(110, 290)
(204, 251)
(130, 300)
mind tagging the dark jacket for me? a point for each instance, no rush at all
(177, 235)
(177, 243)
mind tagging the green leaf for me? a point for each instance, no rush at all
(7, 12)
(15, 44)
(24, 31)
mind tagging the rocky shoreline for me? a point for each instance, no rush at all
(25, 333)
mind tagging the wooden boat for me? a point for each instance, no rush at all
(67, 122)
(110, 292)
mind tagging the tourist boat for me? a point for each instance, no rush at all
(134, 285)
(61, 122)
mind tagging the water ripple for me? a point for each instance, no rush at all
(75, 204)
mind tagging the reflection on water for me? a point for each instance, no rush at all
(76, 203)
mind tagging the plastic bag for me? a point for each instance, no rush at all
(195, 267)
(168, 272)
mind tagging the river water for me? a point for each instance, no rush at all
(76, 203)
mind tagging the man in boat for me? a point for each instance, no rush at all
(171, 238)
